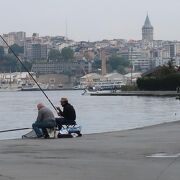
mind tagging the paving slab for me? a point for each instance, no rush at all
(150, 153)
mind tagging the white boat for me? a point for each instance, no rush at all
(9, 88)
(104, 87)
(33, 87)
(78, 87)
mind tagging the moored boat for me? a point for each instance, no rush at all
(104, 87)
(33, 87)
(9, 88)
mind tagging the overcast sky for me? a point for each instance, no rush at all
(91, 19)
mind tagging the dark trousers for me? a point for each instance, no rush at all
(63, 121)
(40, 127)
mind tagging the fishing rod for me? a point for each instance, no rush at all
(17, 129)
(29, 73)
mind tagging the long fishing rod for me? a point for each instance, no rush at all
(29, 73)
(17, 129)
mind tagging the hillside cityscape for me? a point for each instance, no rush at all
(66, 61)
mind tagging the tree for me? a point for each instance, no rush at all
(27, 64)
(166, 77)
(67, 53)
(121, 69)
(118, 63)
(1, 51)
(8, 63)
(96, 64)
(54, 55)
(17, 49)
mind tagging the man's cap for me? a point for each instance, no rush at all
(64, 99)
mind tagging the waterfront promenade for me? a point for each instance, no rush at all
(124, 155)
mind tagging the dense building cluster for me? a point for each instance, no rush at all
(143, 54)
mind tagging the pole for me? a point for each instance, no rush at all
(18, 129)
(131, 64)
(29, 73)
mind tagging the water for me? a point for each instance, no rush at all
(94, 113)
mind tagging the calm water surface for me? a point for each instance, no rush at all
(94, 113)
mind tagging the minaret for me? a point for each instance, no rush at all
(147, 30)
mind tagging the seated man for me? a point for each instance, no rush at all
(45, 119)
(68, 115)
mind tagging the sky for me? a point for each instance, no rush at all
(91, 20)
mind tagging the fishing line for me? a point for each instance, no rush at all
(29, 73)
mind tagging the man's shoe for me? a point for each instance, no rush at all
(46, 137)
(40, 136)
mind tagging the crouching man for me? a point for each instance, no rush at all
(45, 119)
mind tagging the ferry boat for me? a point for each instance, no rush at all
(104, 87)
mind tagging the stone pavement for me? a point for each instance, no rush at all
(124, 155)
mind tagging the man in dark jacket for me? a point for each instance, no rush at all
(68, 115)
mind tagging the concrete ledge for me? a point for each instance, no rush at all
(139, 93)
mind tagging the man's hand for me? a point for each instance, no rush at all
(58, 108)
(59, 111)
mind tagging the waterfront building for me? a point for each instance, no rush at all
(132, 77)
(115, 77)
(76, 68)
(90, 78)
(16, 77)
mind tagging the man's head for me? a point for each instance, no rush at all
(63, 101)
(40, 105)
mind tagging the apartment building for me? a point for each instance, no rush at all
(35, 51)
